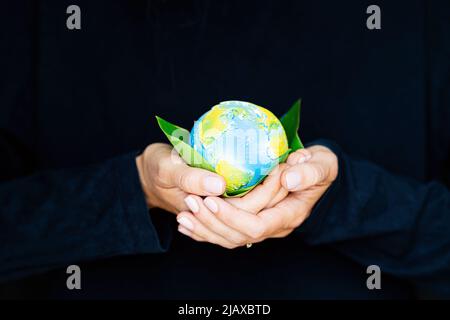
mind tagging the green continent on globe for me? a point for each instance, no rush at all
(243, 142)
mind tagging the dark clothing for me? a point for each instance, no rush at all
(78, 105)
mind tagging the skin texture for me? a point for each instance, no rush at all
(272, 210)
(167, 180)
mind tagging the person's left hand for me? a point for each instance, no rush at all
(286, 199)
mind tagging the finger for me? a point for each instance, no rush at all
(210, 221)
(190, 234)
(192, 224)
(298, 157)
(276, 219)
(294, 209)
(244, 222)
(305, 175)
(281, 195)
(282, 234)
(264, 194)
(193, 180)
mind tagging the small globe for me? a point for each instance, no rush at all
(243, 142)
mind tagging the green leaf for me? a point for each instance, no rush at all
(179, 138)
(291, 124)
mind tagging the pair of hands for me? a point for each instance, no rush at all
(274, 209)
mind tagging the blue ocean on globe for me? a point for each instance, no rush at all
(243, 142)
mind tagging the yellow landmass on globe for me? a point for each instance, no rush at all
(211, 126)
(278, 144)
(270, 117)
(234, 177)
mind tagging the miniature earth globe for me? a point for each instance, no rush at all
(243, 142)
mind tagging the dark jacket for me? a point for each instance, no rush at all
(77, 106)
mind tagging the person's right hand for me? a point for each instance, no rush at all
(167, 180)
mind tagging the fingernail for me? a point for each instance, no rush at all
(292, 180)
(304, 159)
(186, 223)
(213, 185)
(192, 204)
(184, 231)
(211, 205)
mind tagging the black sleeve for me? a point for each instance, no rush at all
(55, 218)
(403, 226)
(52, 219)
(377, 218)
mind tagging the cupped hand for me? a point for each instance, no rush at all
(286, 200)
(167, 180)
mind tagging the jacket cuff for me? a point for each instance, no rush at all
(145, 236)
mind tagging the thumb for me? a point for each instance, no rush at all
(315, 172)
(197, 181)
(302, 176)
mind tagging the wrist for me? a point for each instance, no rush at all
(142, 168)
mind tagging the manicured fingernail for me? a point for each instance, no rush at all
(211, 205)
(292, 180)
(184, 231)
(192, 204)
(213, 185)
(186, 223)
